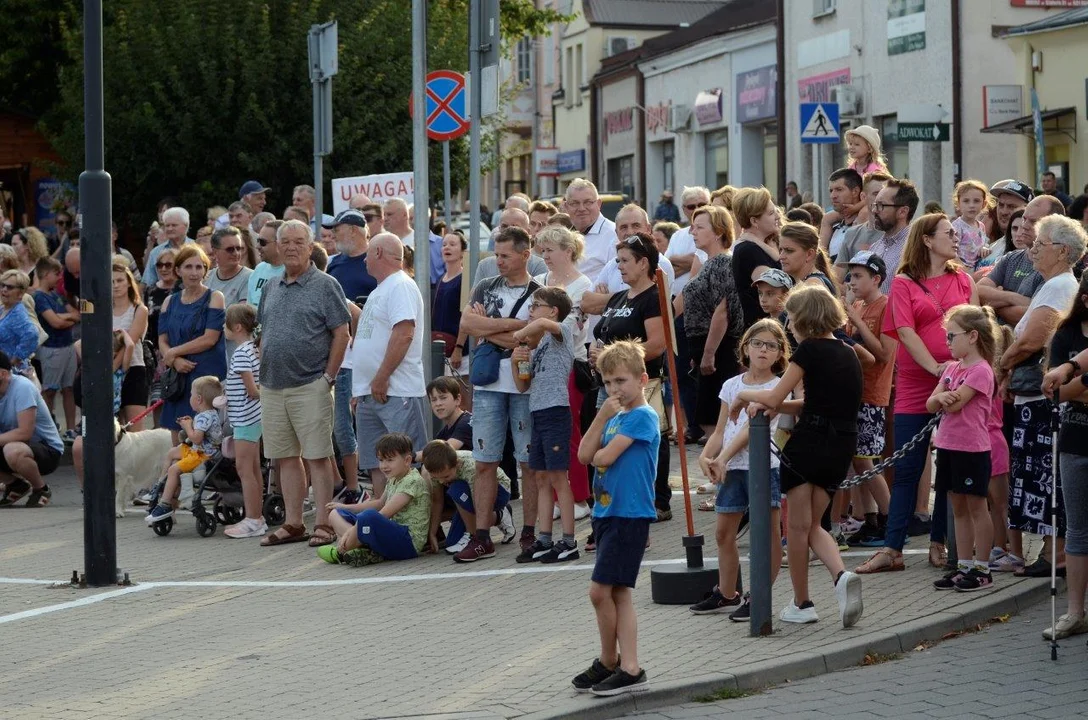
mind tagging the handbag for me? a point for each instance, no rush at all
(1027, 377)
(654, 394)
(173, 385)
(486, 358)
(584, 377)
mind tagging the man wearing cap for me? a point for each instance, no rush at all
(1009, 287)
(892, 211)
(1011, 195)
(253, 194)
(666, 209)
(348, 266)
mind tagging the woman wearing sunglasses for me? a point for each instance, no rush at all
(929, 283)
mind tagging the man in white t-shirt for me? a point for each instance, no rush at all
(630, 219)
(686, 260)
(499, 307)
(583, 204)
(387, 357)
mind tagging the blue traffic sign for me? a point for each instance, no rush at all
(820, 122)
(447, 105)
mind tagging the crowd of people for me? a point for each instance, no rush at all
(864, 329)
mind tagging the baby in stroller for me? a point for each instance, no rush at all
(203, 439)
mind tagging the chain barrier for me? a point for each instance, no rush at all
(454, 373)
(880, 466)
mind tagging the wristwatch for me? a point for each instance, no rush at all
(329, 378)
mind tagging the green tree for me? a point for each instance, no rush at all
(204, 94)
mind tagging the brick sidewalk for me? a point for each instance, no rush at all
(275, 632)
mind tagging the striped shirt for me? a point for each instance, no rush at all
(242, 410)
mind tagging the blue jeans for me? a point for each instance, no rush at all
(461, 495)
(908, 471)
(343, 428)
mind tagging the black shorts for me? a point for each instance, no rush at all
(820, 457)
(135, 386)
(966, 473)
(549, 444)
(621, 543)
(46, 458)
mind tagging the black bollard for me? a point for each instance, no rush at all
(759, 520)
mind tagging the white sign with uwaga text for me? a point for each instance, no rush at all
(378, 188)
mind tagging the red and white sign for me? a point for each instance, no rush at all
(817, 88)
(618, 121)
(547, 162)
(378, 188)
(657, 117)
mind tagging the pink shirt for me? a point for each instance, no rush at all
(963, 430)
(871, 167)
(911, 307)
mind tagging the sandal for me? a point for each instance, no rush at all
(707, 505)
(285, 535)
(39, 498)
(322, 535)
(15, 491)
(883, 560)
(938, 556)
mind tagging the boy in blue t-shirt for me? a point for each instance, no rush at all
(58, 354)
(622, 443)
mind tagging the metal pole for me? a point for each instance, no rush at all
(475, 112)
(759, 517)
(95, 254)
(446, 183)
(419, 164)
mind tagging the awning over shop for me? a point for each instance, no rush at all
(1025, 125)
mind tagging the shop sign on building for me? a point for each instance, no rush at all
(657, 117)
(618, 121)
(906, 26)
(571, 161)
(755, 91)
(1001, 103)
(708, 106)
(547, 161)
(817, 88)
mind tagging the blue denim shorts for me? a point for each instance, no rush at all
(492, 413)
(733, 492)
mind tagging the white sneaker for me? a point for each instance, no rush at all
(247, 528)
(848, 593)
(506, 524)
(555, 512)
(459, 545)
(793, 614)
(1006, 563)
(850, 526)
(581, 511)
(1067, 625)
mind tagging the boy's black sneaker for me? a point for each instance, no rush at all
(596, 673)
(714, 603)
(974, 580)
(744, 612)
(917, 526)
(948, 582)
(533, 553)
(867, 536)
(560, 551)
(620, 682)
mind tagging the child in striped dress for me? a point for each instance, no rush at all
(244, 413)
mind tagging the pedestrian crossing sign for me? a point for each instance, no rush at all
(819, 122)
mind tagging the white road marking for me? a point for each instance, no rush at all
(72, 604)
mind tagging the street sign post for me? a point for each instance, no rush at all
(323, 47)
(923, 132)
(819, 122)
(447, 118)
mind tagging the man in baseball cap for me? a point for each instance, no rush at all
(348, 266)
(253, 193)
(1011, 195)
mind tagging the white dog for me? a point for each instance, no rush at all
(138, 459)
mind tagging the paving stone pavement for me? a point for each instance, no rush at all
(971, 676)
(218, 628)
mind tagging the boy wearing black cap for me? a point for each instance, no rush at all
(865, 309)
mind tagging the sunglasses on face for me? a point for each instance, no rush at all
(63, 223)
(693, 206)
(262, 242)
(164, 265)
(8, 286)
(233, 250)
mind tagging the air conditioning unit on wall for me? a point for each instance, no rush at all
(679, 118)
(849, 99)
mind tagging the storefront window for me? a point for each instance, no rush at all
(894, 151)
(717, 159)
(668, 162)
(771, 181)
(621, 175)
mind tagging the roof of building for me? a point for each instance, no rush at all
(733, 16)
(647, 13)
(1060, 21)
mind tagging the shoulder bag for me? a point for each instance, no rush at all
(487, 356)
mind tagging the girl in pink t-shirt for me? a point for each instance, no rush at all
(863, 147)
(965, 396)
(970, 198)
